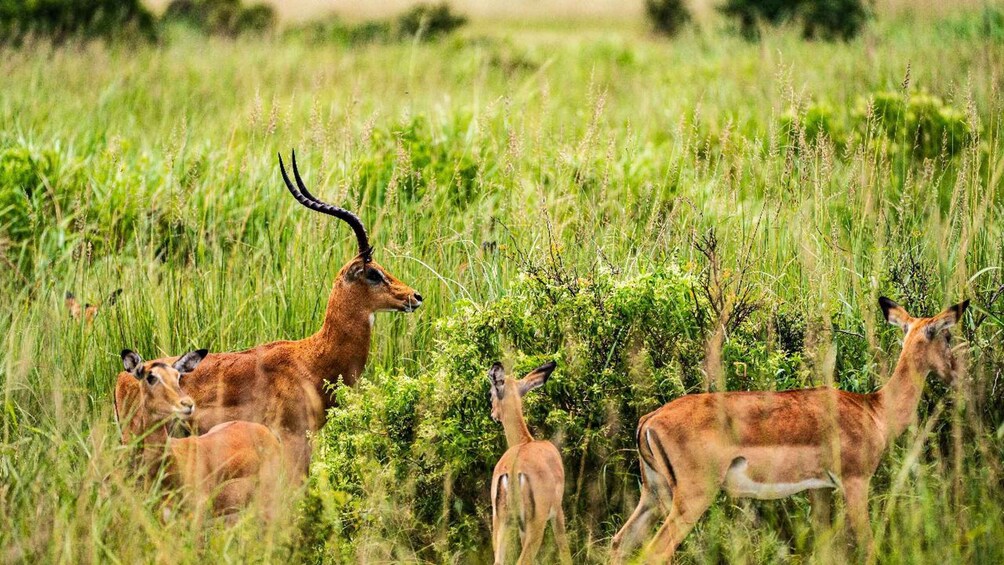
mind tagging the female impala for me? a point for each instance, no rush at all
(286, 384)
(774, 444)
(529, 479)
(229, 464)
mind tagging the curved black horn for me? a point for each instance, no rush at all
(304, 197)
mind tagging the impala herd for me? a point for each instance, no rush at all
(231, 429)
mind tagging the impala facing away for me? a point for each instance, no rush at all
(771, 445)
(529, 479)
(285, 384)
(227, 465)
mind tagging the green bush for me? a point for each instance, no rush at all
(819, 19)
(986, 24)
(60, 20)
(22, 178)
(429, 22)
(422, 21)
(817, 119)
(667, 16)
(624, 346)
(410, 161)
(920, 123)
(221, 17)
(336, 31)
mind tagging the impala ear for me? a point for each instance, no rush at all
(496, 376)
(356, 270)
(947, 319)
(70, 300)
(187, 362)
(113, 297)
(536, 378)
(132, 363)
(895, 314)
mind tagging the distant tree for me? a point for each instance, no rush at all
(429, 21)
(61, 20)
(667, 16)
(221, 17)
(820, 19)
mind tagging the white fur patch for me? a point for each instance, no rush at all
(522, 507)
(372, 319)
(739, 484)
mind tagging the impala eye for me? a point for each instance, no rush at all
(374, 276)
(151, 378)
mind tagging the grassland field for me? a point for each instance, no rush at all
(584, 153)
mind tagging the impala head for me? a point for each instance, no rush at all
(161, 383)
(507, 392)
(88, 311)
(927, 340)
(376, 288)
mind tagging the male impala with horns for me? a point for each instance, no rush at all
(285, 385)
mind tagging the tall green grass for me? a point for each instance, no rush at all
(154, 170)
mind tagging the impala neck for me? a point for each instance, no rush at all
(900, 397)
(156, 442)
(516, 432)
(342, 345)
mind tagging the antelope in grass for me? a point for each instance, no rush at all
(88, 311)
(286, 384)
(770, 445)
(529, 479)
(228, 465)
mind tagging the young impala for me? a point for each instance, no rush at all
(227, 465)
(88, 311)
(286, 385)
(529, 479)
(770, 445)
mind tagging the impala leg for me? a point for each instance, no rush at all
(683, 515)
(560, 538)
(636, 526)
(820, 509)
(856, 497)
(500, 534)
(296, 456)
(233, 496)
(532, 539)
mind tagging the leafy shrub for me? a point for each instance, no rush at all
(60, 20)
(221, 17)
(818, 119)
(411, 159)
(429, 22)
(336, 31)
(667, 16)
(22, 176)
(822, 19)
(625, 346)
(422, 21)
(919, 122)
(986, 24)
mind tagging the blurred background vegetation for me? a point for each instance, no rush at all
(603, 185)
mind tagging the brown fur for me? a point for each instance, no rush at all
(232, 464)
(529, 479)
(284, 384)
(689, 446)
(228, 466)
